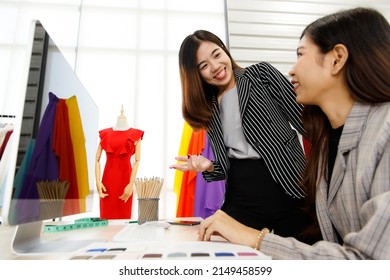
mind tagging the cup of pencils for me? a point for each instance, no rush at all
(148, 191)
(52, 197)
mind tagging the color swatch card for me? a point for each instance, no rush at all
(167, 250)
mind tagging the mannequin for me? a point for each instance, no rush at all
(121, 144)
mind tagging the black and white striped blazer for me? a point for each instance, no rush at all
(268, 107)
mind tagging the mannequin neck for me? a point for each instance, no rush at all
(121, 123)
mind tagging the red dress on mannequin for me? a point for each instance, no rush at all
(119, 146)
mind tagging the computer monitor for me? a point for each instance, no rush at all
(52, 87)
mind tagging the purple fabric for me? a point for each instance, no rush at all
(43, 165)
(208, 196)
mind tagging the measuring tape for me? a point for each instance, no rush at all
(78, 224)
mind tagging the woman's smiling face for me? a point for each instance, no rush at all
(311, 74)
(215, 66)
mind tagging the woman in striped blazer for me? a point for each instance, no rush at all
(248, 114)
(343, 76)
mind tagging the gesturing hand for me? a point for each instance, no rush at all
(196, 163)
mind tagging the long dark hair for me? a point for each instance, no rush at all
(196, 94)
(366, 34)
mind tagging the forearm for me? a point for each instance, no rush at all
(217, 173)
(134, 171)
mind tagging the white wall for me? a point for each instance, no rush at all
(261, 30)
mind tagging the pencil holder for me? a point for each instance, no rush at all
(50, 209)
(147, 210)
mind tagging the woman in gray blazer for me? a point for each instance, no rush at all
(248, 114)
(342, 75)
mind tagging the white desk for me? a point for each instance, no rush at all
(175, 236)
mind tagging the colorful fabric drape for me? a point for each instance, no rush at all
(51, 156)
(188, 185)
(196, 197)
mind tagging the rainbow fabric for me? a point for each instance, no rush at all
(196, 197)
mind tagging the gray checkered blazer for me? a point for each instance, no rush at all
(358, 204)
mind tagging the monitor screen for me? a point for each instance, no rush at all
(53, 173)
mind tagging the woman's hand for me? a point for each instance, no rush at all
(197, 163)
(223, 225)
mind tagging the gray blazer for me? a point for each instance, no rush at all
(358, 205)
(268, 109)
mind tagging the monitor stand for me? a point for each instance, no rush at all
(27, 240)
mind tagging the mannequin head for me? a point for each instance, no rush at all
(121, 123)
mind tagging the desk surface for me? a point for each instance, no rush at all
(176, 236)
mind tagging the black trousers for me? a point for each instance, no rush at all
(256, 200)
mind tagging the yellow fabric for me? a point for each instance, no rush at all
(183, 150)
(79, 150)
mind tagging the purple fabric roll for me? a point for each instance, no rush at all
(208, 196)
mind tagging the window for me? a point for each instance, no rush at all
(125, 52)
